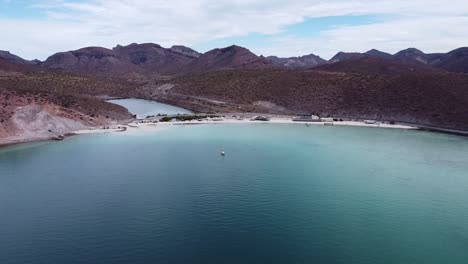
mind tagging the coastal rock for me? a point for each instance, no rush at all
(35, 120)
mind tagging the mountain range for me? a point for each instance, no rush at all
(409, 86)
(152, 58)
(146, 57)
(453, 61)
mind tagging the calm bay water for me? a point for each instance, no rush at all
(144, 108)
(283, 194)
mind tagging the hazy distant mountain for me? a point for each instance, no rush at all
(376, 65)
(232, 57)
(11, 62)
(185, 51)
(413, 55)
(454, 61)
(147, 57)
(343, 56)
(88, 60)
(306, 61)
(154, 58)
(7, 56)
(378, 54)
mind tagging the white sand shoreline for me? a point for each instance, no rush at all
(149, 125)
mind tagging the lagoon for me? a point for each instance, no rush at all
(283, 194)
(143, 108)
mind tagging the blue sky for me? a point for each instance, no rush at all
(39, 28)
(17, 9)
(311, 27)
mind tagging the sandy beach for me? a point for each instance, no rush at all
(151, 125)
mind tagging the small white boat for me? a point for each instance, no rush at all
(222, 153)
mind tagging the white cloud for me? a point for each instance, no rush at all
(439, 34)
(431, 25)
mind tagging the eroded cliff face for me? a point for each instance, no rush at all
(28, 117)
(36, 120)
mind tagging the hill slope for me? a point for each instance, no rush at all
(142, 58)
(233, 57)
(432, 99)
(376, 65)
(6, 55)
(306, 61)
(454, 61)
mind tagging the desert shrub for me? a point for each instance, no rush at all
(186, 117)
(165, 119)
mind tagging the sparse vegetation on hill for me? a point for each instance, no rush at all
(437, 99)
(186, 117)
(410, 86)
(64, 83)
(63, 96)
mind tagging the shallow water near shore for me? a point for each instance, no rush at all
(144, 108)
(282, 194)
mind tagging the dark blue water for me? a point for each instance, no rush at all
(283, 194)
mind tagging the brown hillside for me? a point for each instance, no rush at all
(374, 65)
(6, 65)
(63, 95)
(233, 57)
(430, 99)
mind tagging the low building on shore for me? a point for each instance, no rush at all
(307, 118)
(327, 120)
(261, 118)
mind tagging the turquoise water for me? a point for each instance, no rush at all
(144, 108)
(282, 194)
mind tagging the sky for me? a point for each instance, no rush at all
(35, 29)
